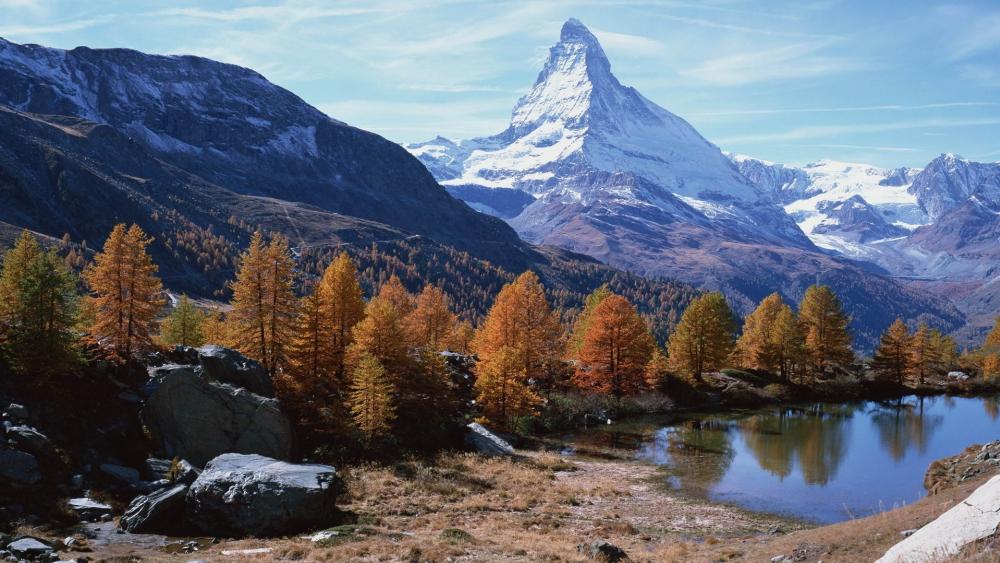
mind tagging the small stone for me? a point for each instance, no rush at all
(29, 547)
(907, 533)
(603, 551)
(777, 559)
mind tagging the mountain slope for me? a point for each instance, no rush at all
(233, 128)
(591, 165)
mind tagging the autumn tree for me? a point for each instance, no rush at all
(213, 328)
(460, 340)
(342, 303)
(583, 320)
(771, 339)
(381, 335)
(892, 357)
(924, 356)
(308, 378)
(371, 399)
(39, 304)
(824, 327)
(16, 261)
(703, 338)
(431, 323)
(616, 349)
(522, 321)
(126, 295)
(184, 325)
(501, 391)
(397, 295)
(656, 369)
(945, 350)
(263, 306)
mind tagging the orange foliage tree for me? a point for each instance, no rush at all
(616, 349)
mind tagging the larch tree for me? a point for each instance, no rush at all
(460, 340)
(431, 323)
(924, 357)
(824, 326)
(756, 348)
(16, 261)
(371, 399)
(657, 369)
(183, 326)
(125, 296)
(945, 350)
(500, 386)
(703, 338)
(40, 312)
(397, 295)
(583, 320)
(522, 320)
(892, 357)
(787, 343)
(264, 303)
(616, 349)
(381, 335)
(309, 375)
(342, 300)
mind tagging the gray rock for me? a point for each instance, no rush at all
(239, 495)
(161, 512)
(30, 440)
(88, 509)
(29, 547)
(125, 475)
(19, 468)
(16, 413)
(197, 420)
(486, 442)
(228, 366)
(603, 551)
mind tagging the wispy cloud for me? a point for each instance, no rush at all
(629, 44)
(52, 28)
(280, 13)
(795, 60)
(981, 34)
(862, 147)
(815, 132)
(401, 119)
(850, 109)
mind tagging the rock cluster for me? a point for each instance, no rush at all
(974, 461)
(21, 446)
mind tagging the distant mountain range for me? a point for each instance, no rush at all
(590, 165)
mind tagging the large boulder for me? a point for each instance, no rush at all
(30, 548)
(30, 440)
(161, 512)
(228, 366)
(197, 420)
(89, 509)
(483, 441)
(18, 468)
(251, 495)
(971, 520)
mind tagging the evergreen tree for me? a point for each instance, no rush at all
(703, 338)
(184, 325)
(341, 297)
(126, 294)
(924, 357)
(583, 320)
(616, 349)
(522, 321)
(501, 391)
(824, 326)
(892, 358)
(371, 401)
(264, 303)
(41, 339)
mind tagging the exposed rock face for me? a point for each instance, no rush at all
(198, 420)
(972, 519)
(486, 442)
(18, 468)
(229, 366)
(950, 471)
(239, 495)
(161, 512)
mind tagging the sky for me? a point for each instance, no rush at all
(884, 83)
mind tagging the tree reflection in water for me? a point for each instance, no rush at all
(903, 425)
(992, 406)
(694, 453)
(816, 437)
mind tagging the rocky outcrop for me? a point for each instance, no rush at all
(251, 495)
(970, 520)
(197, 420)
(161, 512)
(228, 366)
(483, 441)
(973, 462)
(89, 509)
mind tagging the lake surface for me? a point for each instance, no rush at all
(819, 462)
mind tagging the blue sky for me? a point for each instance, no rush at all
(888, 83)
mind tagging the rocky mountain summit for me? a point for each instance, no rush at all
(591, 165)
